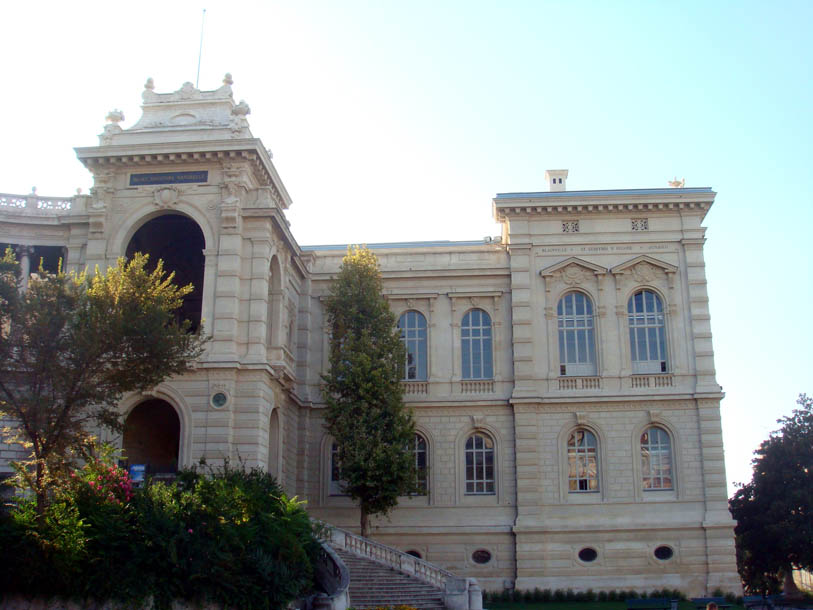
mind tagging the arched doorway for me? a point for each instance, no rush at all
(152, 436)
(179, 242)
(273, 444)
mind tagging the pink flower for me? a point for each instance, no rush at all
(189, 530)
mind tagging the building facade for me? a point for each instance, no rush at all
(561, 374)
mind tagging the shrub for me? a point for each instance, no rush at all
(230, 537)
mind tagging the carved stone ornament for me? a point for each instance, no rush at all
(573, 275)
(477, 421)
(474, 301)
(166, 197)
(644, 273)
(238, 123)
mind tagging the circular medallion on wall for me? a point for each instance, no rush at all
(219, 400)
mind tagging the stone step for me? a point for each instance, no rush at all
(373, 584)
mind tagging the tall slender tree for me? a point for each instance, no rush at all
(70, 346)
(365, 415)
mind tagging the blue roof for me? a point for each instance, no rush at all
(398, 244)
(603, 193)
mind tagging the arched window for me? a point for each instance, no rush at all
(480, 464)
(419, 449)
(577, 343)
(475, 338)
(336, 481)
(413, 334)
(656, 459)
(582, 461)
(647, 333)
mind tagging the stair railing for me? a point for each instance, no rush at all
(333, 577)
(459, 593)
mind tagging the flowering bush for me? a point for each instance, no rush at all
(109, 483)
(230, 537)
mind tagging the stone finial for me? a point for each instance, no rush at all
(241, 109)
(115, 116)
(150, 84)
(33, 190)
(227, 80)
(677, 184)
(79, 191)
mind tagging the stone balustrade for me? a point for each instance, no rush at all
(460, 593)
(36, 204)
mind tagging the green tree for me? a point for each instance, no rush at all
(774, 512)
(70, 346)
(365, 410)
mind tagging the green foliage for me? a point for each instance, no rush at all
(774, 512)
(70, 346)
(366, 414)
(230, 537)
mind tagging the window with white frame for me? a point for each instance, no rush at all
(480, 465)
(656, 459)
(475, 339)
(647, 333)
(336, 487)
(577, 342)
(419, 450)
(582, 461)
(413, 335)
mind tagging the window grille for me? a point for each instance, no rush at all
(582, 460)
(413, 335)
(577, 345)
(475, 337)
(647, 333)
(656, 458)
(480, 465)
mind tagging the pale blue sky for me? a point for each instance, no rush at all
(400, 121)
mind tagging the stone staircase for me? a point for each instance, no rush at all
(374, 584)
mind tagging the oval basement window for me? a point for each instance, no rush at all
(414, 553)
(588, 554)
(664, 552)
(481, 556)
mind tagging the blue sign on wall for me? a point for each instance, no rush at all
(168, 178)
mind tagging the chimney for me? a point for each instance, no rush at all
(557, 179)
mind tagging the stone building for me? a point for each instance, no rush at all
(561, 374)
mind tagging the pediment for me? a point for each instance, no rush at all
(642, 264)
(573, 260)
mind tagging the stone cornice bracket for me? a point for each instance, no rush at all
(691, 200)
(477, 421)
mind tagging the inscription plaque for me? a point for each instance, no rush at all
(168, 178)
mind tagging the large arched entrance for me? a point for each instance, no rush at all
(152, 436)
(179, 242)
